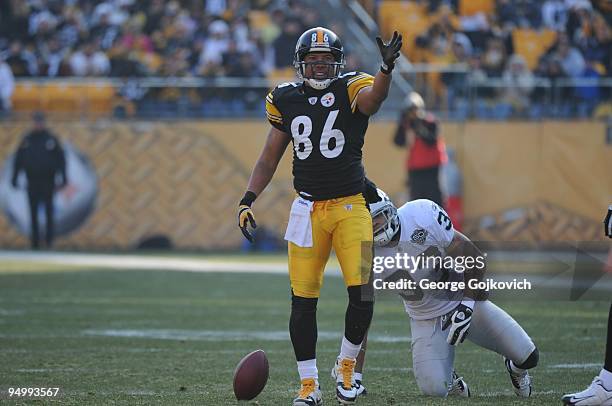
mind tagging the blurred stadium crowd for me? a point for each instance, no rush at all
(497, 58)
(120, 38)
(515, 55)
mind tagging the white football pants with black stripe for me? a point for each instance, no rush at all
(491, 328)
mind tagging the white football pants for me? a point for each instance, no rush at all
(491, 328)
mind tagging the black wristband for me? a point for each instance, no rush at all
(386, 69)
(248, 198)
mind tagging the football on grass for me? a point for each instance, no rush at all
(251, 375)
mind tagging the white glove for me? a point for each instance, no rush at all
(459, 322)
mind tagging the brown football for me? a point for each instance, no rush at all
(251, 375)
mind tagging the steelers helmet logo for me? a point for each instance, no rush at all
(328, 99)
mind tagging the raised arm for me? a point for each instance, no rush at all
(371, 98)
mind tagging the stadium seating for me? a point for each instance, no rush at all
(99, 98)
(61, 97)
(91, 99)
(410, 19)
(27, 97)
(471, 7)
(532, 44)
(407, 17)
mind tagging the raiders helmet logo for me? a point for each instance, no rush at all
(419, 236)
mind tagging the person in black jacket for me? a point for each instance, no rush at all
(41, 156)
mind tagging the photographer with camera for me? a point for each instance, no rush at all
(419, 131)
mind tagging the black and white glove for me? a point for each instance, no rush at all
(608, 223)
(389, 51)
(459, 321)
(246, 216)
(370, 192)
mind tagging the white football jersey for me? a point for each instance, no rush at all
(425, 229)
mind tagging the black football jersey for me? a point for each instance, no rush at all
(327, 131)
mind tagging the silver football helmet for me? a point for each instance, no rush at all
(385, 221)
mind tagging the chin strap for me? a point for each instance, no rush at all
(319, 84)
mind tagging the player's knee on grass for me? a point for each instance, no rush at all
(531, 361)
(438, 389)
(358, 315)
(432, 385)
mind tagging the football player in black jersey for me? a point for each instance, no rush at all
(325, 115)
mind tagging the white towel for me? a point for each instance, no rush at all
(299, 229)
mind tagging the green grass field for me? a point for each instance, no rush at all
(166, 337)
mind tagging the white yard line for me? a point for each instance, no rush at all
(575, 366)
(225, 335)
(148, 262)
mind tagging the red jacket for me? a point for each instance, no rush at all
(427, 150)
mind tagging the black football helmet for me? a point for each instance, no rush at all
(319, 39)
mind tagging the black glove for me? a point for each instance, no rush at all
(246, 216)
(608, 223)
(370, 192)
(459, 321)
(389, 52)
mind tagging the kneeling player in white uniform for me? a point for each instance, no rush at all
(440, 320)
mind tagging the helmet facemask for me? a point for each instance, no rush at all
(385, 221)
(333, 71)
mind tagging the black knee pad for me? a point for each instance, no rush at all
(358, 315)
(303, 327)
(357, 299)
(303, 304)
(531, 361)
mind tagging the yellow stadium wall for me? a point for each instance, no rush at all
(534, 182)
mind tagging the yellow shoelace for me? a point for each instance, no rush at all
(308, 386)
(347, 369)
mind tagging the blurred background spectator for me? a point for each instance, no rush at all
(518, 85)
(7, 86)
(86, 37)
(41, 157)
(418, 131)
